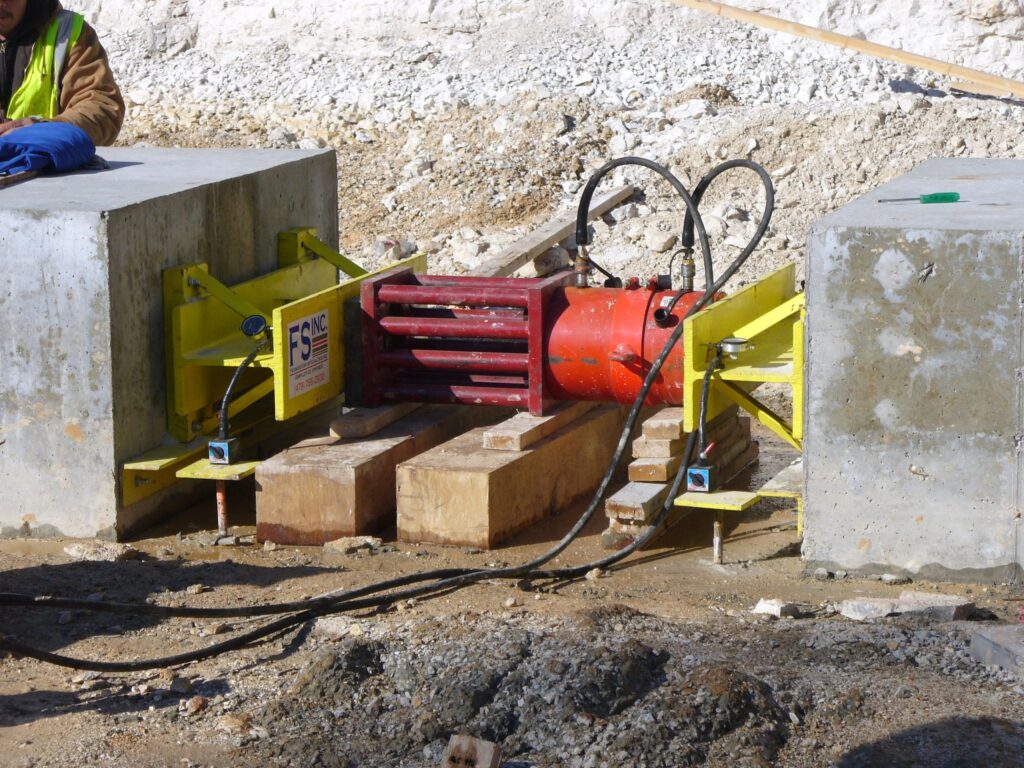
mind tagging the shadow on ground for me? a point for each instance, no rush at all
(956, 742)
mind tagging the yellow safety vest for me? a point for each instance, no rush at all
(39, 93)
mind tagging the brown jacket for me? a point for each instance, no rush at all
(89, 96)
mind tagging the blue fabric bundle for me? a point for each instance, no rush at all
(45, 146)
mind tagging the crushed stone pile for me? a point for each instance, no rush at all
(458, 126)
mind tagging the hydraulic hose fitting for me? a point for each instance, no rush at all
(581, 267)
(687, 270)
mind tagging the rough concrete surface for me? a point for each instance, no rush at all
(82, 388)
(913, 409)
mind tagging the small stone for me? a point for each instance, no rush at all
(235, 722)
(778, 608)
(893, 579)
(196, 589)
(227, 541)
(594, 574)
(841, 575)
(195, 705)
(694, 109)
(821, 574)
(511, 602)
(659, 241)
(217, 629)
(806, 92)
(180, 685)
(349, 545)
(784, 171)
(270, 546)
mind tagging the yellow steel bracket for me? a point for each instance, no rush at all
(299, 244)
(303, 367)
(770, 315)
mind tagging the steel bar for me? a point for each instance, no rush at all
(464, 329)
(463, 394)
(498, 362)
(465, 296)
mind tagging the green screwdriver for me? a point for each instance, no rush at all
(934, 197)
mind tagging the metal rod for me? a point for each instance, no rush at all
(464, 295)
(467, 395)
(475, 329)
(497, 362)
(459, 313)
(518, 282)
(717, 540)
(222, 507)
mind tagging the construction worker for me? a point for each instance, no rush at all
(38, 38)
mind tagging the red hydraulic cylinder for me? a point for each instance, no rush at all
(600, 343)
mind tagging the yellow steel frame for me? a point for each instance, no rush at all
(303, 304)
(770, 314)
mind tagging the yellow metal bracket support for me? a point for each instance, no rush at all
(769, 314)
(197, 277)
(302, 243)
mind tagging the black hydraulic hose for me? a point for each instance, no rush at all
(702, 419)
(449, 579)
(689, 222)
(692, 214)
(223, 432)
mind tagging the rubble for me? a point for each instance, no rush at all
(350, 545)
(101, 551)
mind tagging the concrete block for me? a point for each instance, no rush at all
(913, 410)
(867, 608)
(935, 607)
(82, 384)
(1000, 647)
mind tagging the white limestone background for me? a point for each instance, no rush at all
(985, 34)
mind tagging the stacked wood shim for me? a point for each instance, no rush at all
(658, 454)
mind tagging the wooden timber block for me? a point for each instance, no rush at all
(524, 429)
(459, 493)
(467, 752)
(325, 488)
(650, 448)
(667, 424)
(363, 422)
(723, 431)
(636, 501)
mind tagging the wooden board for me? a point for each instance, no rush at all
(667, 424)
(363, 422)
(789, 483)
(325, 488)
(647, 448)
(636, 501)
(16, 178)
(525, 429)
(723, 431)
(459, 493)
(993, 82)
(533, 245)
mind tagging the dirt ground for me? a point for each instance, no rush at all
(658, 663)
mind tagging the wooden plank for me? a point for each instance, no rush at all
(525, 429)
(723, 431)
(459, 493)
(1001, 85)
(789, 483)
(636, 501)
(647, 448)
(16, 178)
(324, 488)
(363, 422)
(667, 424)
(533, 245)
